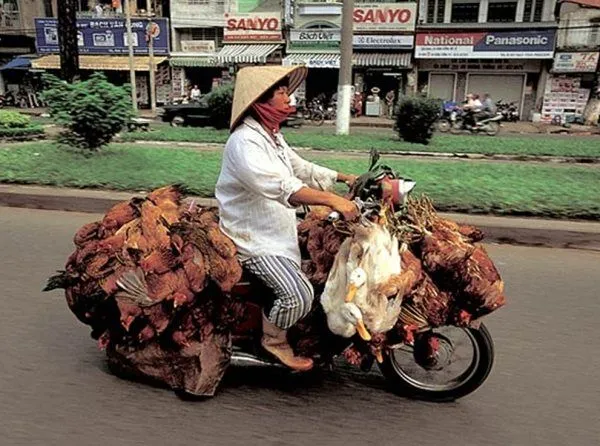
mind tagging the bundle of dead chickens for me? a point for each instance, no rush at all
(152, 280)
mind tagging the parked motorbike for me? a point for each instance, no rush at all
(508, 110)
(490, 126)
(461, 363)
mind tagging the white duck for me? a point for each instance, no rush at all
(344, 318)
(375, 255)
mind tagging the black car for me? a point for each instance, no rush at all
(194, 113)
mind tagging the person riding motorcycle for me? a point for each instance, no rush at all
(488, 108)
(262, 181)
(471, 108)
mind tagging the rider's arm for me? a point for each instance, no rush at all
(307, 196)
(315, 176)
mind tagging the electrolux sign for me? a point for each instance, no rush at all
(526, 44)
(103, 36)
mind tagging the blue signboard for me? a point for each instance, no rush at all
(104, 36)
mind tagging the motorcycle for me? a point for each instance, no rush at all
(458, 364)
(490, 126)
(509, 111)
(448, 114)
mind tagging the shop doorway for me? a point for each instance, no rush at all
(202, 77)
(321, 81)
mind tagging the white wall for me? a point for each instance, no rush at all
(574, 31)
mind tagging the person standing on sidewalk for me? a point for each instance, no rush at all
(262, 181)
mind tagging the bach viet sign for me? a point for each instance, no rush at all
(522, 44)
(385, 17)
(103, 36)
(252, 27)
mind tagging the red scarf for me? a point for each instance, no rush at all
(271, 117)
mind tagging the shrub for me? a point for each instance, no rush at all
(13, 120)
(25, 133)
(220, 101)
(92, 111)
(415, 118)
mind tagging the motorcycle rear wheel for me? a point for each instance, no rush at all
(402, 382)
(318, 118)
(456, 128)
(444, 125)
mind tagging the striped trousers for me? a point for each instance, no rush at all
(293, 291)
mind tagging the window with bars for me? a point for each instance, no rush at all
(502, 11)
(464, 13)
(435, 11)
(537, 12)
(527, 8)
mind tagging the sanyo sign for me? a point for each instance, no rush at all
(385, 16)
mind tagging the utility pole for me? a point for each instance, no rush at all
(345, 80)
(67, 39)
(150, 32)
(131, 59)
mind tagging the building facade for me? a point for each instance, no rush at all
(382, 48)
(501, 47)
(575, 69)
(214, 38)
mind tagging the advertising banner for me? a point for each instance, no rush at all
(253, 27)
(325, 39)
(522, 44)
(104, 36)
(575, 62)
(372, 42)
(385, 16)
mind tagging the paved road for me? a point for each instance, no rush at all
(55, 389)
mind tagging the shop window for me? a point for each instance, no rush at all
(502, 11)
(435, 11)
(527, 8)
(198, 2)
(214, 34)
(463, 12)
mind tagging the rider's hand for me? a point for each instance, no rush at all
(348, 179)
(347, 208)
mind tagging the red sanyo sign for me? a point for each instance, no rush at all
(252, 27)
(385, 16)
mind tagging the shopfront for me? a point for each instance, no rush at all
(508, 65)
(567, 90)
(253, 38)
(103, 47)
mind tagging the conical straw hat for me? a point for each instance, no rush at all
(252, 82)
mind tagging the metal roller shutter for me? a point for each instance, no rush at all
(507, 87)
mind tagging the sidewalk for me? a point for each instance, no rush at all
(508, 230)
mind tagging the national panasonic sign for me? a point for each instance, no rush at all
(526, 44)
(385, 17)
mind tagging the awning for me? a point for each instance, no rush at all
(313, 60)
(87, 62)
(245, 53)
(382, 59)
(18, 63)
(194, 61)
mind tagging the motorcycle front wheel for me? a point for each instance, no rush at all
(492, 128)
(462, 362)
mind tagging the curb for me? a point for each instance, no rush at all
(504, 230)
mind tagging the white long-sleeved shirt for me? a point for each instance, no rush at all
(256, 181)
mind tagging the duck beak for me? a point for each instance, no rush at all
(379, 356)
(362, 331)
(352, 289)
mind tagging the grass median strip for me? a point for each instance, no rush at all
(386, 141)
(502, 188)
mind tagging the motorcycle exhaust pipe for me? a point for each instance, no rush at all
(242, 359)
